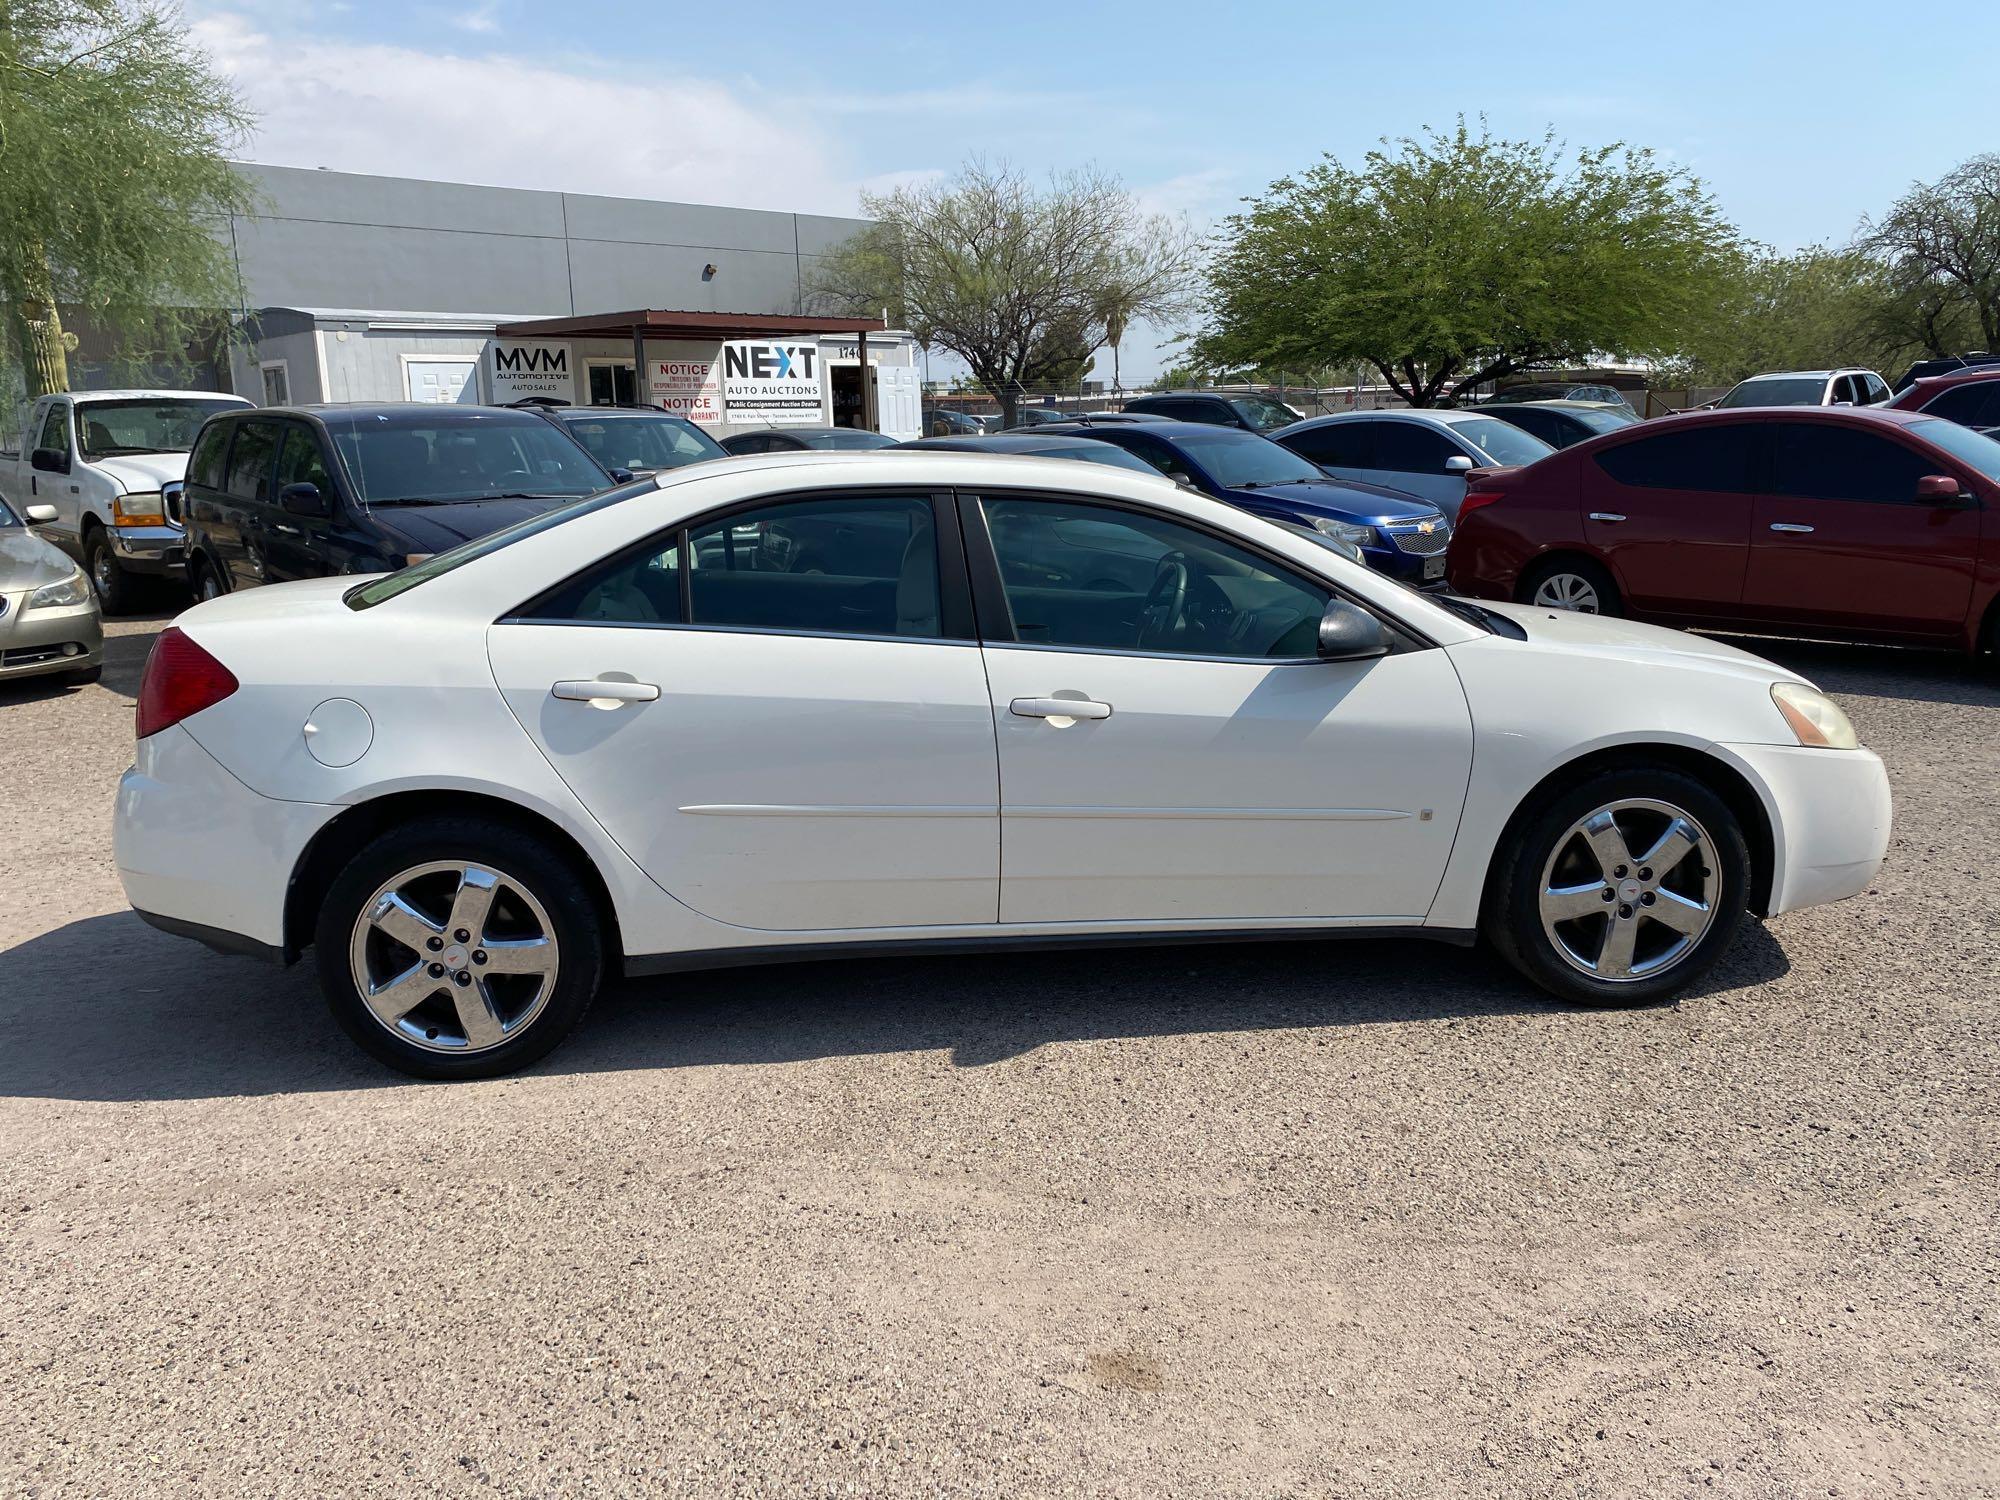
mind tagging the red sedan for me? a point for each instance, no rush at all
(1841, 522)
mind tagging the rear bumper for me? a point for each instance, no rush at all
(1830, 819)
(197, 849)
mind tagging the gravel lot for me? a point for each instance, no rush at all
(1315, 1220)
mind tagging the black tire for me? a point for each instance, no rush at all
(544, 871)
(84, 676)
(1512, 920)
(117, 590)
(204, 582)
(1592, 573)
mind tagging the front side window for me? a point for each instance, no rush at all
(1241, 460)
(1412, 448)
(1097, 578)
(301, 462)
(1974, 449)
(1820, 461)
(1715, 459)
(55, 429)
(639, 442)
(1337, 445)
(1262, 414)
(1501, 441)
(205, 462)
(250, 461)
(106, 429)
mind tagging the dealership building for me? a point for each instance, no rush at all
(366, 288)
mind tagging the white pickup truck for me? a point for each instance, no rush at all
(99, 460)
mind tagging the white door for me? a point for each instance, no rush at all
(809, 752)
(899, 402)
(1214, 768)
(443, 381)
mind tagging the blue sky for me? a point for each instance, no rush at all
(1800, 117)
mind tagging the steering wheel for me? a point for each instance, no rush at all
(514, 480)
(1164, 616)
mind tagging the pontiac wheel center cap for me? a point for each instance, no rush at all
(453, 958)
(1629, 891)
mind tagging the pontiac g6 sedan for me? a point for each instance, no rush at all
(1010, 702)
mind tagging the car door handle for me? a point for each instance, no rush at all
(1059, 708)
(605, 690)
(1791, 526)
(280, 526)
(1609, 517)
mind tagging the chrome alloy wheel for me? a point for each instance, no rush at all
(454, 957)
(1567, 591)
(1629, 890)
(104, 572)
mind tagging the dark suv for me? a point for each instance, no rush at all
(1244, 409)
(278, 493)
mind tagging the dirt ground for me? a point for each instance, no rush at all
(1319, 1220)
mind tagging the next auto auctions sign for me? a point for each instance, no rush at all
(687, 388)
(772, 385)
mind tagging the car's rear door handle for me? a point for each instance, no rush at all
(1791, 526)
(1059, 708)
(1610, 517)
(608, 691)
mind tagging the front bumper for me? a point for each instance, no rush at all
(1830, 819)
(149, 549)
(34, 641)
(197, 849)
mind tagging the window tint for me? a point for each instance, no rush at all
(1975, 449)
(55, 429)
(642, 442)
(469, 457)
(1975, 405)
(851, 567)
(1789, 390)
(1150, 451)
(250, 461)
(1262, 414)
(1546, 425)
(1337, 445)
(1823, 462)
(205, 462)
(1873, 389)
(1501, 441)
(1411, 448)
(1097, 578)
(1699, 458)
(301, 462)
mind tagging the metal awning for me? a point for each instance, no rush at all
(656, 323)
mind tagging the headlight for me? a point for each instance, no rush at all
(1345, 531)
(72, 590)
(142, 509)
(1815, 718)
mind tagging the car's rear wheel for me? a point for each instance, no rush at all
(456, 948)
(1573, 583)
(1622, 890)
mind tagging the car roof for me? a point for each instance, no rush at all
(1801, 375)
(349, 412)
(1167, 430)
(1554, 404)
(151, 395)
(997, 442)
(599, 413)
(1445, 416)
(1972, 375)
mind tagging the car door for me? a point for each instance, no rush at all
(247, 501)
(1410, 456)
(1841, 539)
(1344, 449)
(1180, 754)
(1670, 511)
(301, 546)
(779, 749)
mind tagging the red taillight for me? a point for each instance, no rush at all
(1474, 499)
(181, 679)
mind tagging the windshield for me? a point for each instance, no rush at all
(1974, 449)
(1794, 390)
(1242, 460)
(1602, 421)
(845, 438)
(1264, 414)
(642, 442)
(1500, 441)
(105, 429)
(437, 461)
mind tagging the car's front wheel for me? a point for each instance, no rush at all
(117, 590)
(457, 948)
(1622, 890)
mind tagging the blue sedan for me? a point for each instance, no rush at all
(1397, 534)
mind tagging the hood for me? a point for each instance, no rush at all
(1339, 500)
(28, 562)
(439, 528)
(1628, 638)
(139, 472)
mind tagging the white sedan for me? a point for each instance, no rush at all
(830, 704)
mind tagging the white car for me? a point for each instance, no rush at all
(1807, 388)
(821, 704)
(1424, 453)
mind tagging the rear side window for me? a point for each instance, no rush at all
(1337, 445)
(249, 476)
(1813, 461)
(1975, 405)
(1411, 448)
(205, 462)
(1700, 458)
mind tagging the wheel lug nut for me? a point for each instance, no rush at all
(437, 971)
(479, 955)
(434, 943)
(1645, 872)
(462, 935)
(1648, 899)
(1609, 894)
(1624, 911)
(1619, 873)
(461, 978)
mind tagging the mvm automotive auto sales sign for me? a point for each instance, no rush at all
(772, 385)
(524, 370)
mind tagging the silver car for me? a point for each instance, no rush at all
(48, 612)
(1422, 453)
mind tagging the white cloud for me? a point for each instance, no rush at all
(509, 122)
(479, 18)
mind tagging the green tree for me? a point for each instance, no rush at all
(1939, 246)
(114, 135)
(1020, 283)
(1460, 258)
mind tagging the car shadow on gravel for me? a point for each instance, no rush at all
(108, 1009)
(124, 664)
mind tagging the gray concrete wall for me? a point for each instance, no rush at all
(340, 239)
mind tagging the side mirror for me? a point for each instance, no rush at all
(1939, 489)
(622, 476)
(1348, 632)
(304, 500)
(1458, 463)
(1180, 477)
(39, 515)
(49, 460)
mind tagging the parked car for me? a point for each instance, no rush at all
(1039, 445)
(48, 614)
(1396, 533)
(1038, 416)
(279, 493)
(1119, 416)
(1839, 522)
(1265, 740)
(628, 441)
(1923, 369)
(1252, 413)
(1970, 397)
(1562, 424)
(1560, 390)
(949, 421)
(1807, 388)
(1424, 453)
(805, 439)
(101, 459)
